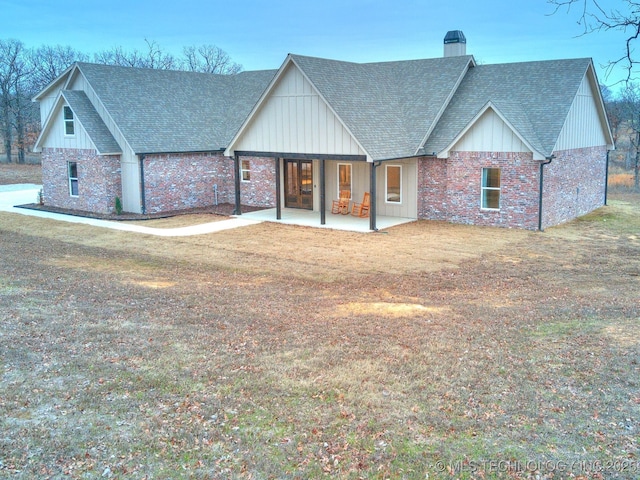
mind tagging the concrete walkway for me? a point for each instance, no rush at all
(22, 194)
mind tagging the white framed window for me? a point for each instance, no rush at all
(393, 183)
(69, 126)
(72, 175)
(490, 197)
(344, 178)
(245, 170)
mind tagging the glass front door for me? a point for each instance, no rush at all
(298, 179)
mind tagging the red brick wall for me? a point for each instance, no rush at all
(574, 184)
(432, 188)
(450, 189)
(182, 181)
(260, 190)
(98, 180)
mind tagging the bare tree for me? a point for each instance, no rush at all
(594, 17)
(24, 72)
(630, 111)
(209, 59)
(154, 57)
(48, 62)
(11, 53)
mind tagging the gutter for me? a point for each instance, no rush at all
(542, 164)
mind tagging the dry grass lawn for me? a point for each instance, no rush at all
(426, 351)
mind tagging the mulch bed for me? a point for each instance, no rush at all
(226, 209)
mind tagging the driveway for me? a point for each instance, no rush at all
(25, 193)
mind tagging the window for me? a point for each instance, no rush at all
(344, 178)
(69, 128)
(491, 188)
(72, 173)
(246, 170)
(393, 180)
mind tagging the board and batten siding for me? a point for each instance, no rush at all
(359, 180)
(490, 134)
(47, 103)
(583, 126)
(294, 118)
(408, 205)
(56, 137)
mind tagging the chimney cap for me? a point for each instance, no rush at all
(454, 36)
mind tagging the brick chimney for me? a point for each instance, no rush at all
(455, 44)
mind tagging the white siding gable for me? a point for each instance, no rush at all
(583, 127)
(295, 118)
(55, 136)
(490, 134)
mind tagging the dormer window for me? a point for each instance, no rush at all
(69, 128)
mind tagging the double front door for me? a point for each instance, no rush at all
(298, 180)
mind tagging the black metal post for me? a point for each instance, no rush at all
(323, 214)
(278, 192)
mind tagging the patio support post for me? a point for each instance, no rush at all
(323, 214)
(372, 208)
(278, 193)
(236, 168)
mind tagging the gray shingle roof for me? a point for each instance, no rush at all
(389, 107)
(87, 115)
(175, 111)
(534, 97)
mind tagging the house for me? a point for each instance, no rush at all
(513, 145)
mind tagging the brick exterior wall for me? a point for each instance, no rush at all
(574, 184)
(98, 180)
(260, 190)
(174, 182)
(451, 189)
(432, 189)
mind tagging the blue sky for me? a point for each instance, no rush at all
(259, 34)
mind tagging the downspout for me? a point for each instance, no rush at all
(143, 199)
(373, 199)
(236, 170)
(542, 164)
(606, 179)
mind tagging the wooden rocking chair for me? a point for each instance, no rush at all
(361, 209)
(342, 204)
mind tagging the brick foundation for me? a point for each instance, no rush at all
(98, 180)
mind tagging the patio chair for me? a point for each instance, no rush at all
(361, 209)
(342, 204)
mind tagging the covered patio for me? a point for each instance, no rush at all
(308, 218)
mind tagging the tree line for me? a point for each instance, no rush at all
(24, 72)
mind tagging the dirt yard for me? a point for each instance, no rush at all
(12, 173)
(426, 351)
